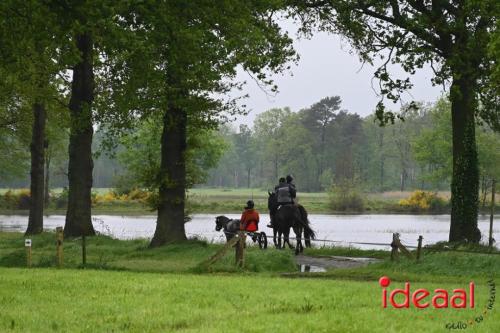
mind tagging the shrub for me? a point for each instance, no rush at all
(20, 199)
(423, 201)
(345, 198)
(138, 194)
(62, 199)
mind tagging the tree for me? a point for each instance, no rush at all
(268, 127)
(452, 36)
(140, 155)
(317, 119)
(185, 56)
(433, 147)
(245, 150)
(29, 62)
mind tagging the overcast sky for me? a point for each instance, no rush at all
(326, 68)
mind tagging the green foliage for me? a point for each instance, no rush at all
(140, 156)
(433, 148)
(345, 197)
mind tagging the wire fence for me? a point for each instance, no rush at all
(404, 240)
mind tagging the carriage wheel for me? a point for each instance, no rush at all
(263, 240)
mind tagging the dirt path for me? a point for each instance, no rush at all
(321, 263)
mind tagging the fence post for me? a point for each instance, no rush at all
(492, 212)
(394, 246)
(59, 249)
(84, 251)
(419, 248)
(27, 245)
(240, 249)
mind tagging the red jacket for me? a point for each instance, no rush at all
(249, 220)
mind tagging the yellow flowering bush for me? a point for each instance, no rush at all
(423, 201)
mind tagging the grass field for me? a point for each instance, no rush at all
(127, 287)
(45, 300)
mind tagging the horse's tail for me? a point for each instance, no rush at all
(308, 232)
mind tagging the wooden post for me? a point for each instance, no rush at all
(84, 251)
(27, 245)
(240, 249)
(220, 253)
(394, 246)
(419, 248)
(492, 212)
(59, 249)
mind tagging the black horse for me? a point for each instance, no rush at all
(286, 217)
(229, 226)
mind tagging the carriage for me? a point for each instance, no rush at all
(232, 226)
(258, 237)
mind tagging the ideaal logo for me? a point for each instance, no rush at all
(419, 298)
(460, 298)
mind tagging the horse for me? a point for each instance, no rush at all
(230, 226)
(286, 217)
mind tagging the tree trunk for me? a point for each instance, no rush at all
(382, 159)
(35, 220)
(78, 216)
(47, 179)
(170, 223)
(465, 178)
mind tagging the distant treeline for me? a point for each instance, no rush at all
(324, 145)
(321, 146)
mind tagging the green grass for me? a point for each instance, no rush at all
(127, 287)
(106, 253)
(433, 266)
(47, 300)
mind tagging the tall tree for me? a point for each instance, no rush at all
(452, 36)
(78, 215)
(29, 60)
(185, 57)
(245, 150)
(318, 118)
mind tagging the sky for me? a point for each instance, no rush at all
(327, 68)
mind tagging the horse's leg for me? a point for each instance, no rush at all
(298, 233)
(286, 238)
(275, 231)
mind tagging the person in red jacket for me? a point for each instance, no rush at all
(250, 218)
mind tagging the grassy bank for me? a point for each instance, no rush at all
(127, 287)
(111, 254)
(205, 200)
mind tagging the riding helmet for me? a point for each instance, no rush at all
(250, 204)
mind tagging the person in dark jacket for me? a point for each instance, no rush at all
(285, 193)
(293, 190)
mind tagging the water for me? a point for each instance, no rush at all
(343, 229)
(310, 269)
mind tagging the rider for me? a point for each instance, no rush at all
(285, 192)
(250, 218)
(293, 190)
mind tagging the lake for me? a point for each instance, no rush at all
(343, 229)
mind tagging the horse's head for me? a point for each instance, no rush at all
(272, 201)
(220, 222)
